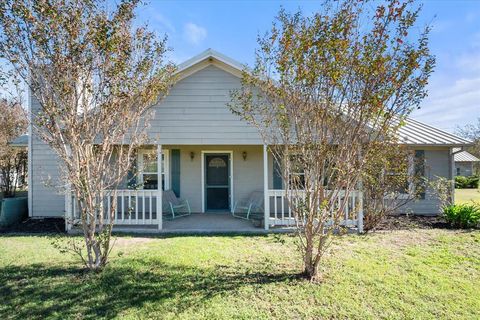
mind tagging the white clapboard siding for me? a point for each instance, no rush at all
(196, 112)
(46, 191)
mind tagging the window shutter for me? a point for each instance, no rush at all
(277, 174)
(175, 169)
(420, 171)
(132, 174)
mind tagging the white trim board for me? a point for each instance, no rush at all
(202, 168)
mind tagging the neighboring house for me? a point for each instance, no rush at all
(21, 143)
(464, 163)
(212, 158)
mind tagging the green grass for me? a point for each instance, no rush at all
(421, 274)
(467, 195)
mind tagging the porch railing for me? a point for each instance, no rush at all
(134, 207)
(280, 212)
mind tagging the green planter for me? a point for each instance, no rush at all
(13, 211)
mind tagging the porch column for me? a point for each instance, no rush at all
(452, 172)
(266, 201)
(68, 208)
(159, 187)
(360, 212)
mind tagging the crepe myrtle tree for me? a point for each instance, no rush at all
(325, 91)
(472, 132)
(391, 179)
(95, 75)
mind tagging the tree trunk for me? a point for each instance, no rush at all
(310, 262)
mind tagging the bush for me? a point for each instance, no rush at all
(473, 182)
(462, 182)
(462, 215)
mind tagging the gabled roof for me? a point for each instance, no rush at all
(207, 58)
(412, 133)
(464, 156)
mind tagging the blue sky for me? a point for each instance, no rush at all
(231, 27)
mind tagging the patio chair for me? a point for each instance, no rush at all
(175, 207)
(249, 207)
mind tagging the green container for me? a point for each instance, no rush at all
(13, 211)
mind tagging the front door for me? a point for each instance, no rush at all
(217, 182)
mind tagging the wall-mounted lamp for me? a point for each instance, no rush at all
(192, 155)
(244, 155)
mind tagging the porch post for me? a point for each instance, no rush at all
(452, 173)
(68, 208)
(159, 187)
(266, 201)
(360, 212)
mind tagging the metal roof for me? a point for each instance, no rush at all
(21, 141)
(464, 156)
(417, 133)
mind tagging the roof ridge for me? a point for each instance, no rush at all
(211, 53)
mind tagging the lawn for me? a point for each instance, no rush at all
(467, 195)
(427, 274)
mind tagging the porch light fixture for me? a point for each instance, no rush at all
(244, 155)
(192, 155)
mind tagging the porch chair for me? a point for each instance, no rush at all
(174, 206)
(249, 207)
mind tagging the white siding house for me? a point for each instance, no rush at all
(464, 163)
(211, 157)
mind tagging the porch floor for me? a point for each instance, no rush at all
(209, 222)
(222, 222)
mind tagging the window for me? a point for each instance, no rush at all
(458, 171)
(419, 174)
(297, 172)
(148, 169)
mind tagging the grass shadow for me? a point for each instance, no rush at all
(42, 291)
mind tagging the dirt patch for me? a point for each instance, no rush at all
(405, 238)
(45, 225)
(127, 241)
(408, 222)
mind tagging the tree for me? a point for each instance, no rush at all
(13, 161)
(95, 76)
(391, 179)
(472, 132)
(326, 92)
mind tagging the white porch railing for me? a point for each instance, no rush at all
(279, 211)
(134, 207)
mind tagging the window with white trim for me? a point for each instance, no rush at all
(297, 172)
(147, 165)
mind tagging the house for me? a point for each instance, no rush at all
(212, 158)
(464, 163)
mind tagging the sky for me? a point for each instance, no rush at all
(232, 27)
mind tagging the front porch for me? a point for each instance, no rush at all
(198, 223)
(185, 170)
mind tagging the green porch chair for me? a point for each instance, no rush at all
(250, 207)
(175, 207)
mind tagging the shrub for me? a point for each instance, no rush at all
(462, 182)
(462, 215)
(473, 182)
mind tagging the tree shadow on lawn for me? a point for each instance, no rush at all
(40, 291)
